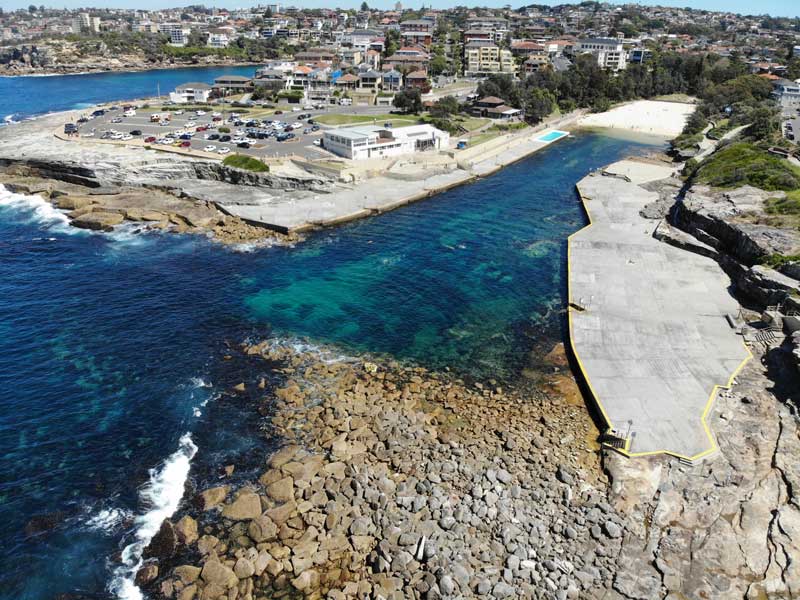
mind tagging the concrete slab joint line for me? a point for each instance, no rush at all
(654, 345)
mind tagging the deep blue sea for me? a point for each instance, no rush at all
(23, 97)
(115, 349)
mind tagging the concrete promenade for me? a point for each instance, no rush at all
(648, 321)
(305, 210)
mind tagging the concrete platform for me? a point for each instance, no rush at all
(647, 323)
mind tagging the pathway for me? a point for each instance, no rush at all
(648, 322)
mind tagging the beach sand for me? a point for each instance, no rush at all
(645, 116)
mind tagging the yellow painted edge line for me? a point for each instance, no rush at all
(706, 410)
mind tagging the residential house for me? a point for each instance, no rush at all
(392, 81)
(191, 92)
(233, 84)
(534, 63)
(370, 80)
(347, 82)
(417, 79)
(271, 79)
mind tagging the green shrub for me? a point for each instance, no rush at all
(248, 163)
(776, 261)
(743, 163)
(224, 129)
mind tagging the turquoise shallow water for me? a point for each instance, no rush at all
(111, 346)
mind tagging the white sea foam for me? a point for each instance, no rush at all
(161, 496)
(108, 519)
(39, 210)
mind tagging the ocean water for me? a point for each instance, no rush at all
(24, 97)
(113, 348)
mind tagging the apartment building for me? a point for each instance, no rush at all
(484, 58)
(609, 52)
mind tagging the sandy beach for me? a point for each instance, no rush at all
(645, 116)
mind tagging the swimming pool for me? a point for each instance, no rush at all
(552, 136)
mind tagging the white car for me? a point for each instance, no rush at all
(210, 148)
(163, 123)
(206, 136)
(200, 113)
(129, 113)
(296, 109)
(126, 137)
(90, 134)
(223, 150)
(178, 112)
(216, 114)
(191, 124)
(317, 142)
(164, 141)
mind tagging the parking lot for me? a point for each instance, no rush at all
(255, 133)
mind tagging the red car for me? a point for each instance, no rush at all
(217, 119)
(186, 144)
(202, 128)
(150, 139)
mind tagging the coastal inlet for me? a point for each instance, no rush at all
(113, 346)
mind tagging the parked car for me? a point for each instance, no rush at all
(225, 138)
(150, 139)
(116, 120)
(136, 132)
(318, 142)
(216, 119)
(213, 136)
(223, 150)
(129, 113)
(243, 144)
(70, 128)
(278, 112)
(210, 148)
(200, 113)
(307, 130)
(202, 128)
(186, 144)
(83, 120)
(178, 112)
(315, 128)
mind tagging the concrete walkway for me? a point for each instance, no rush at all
(647, 322)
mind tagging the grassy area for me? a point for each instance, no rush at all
(790, 205)
(746, 164)
(340, 119)
(248, 163)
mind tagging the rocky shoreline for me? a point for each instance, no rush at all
(392, 481)
(32, 60)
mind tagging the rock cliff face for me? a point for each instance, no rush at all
(60, 56)
(720, 221)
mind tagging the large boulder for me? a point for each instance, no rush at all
(247, 506)
(212, 497)
(98, 221)
(186, 530)
(217, 573)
